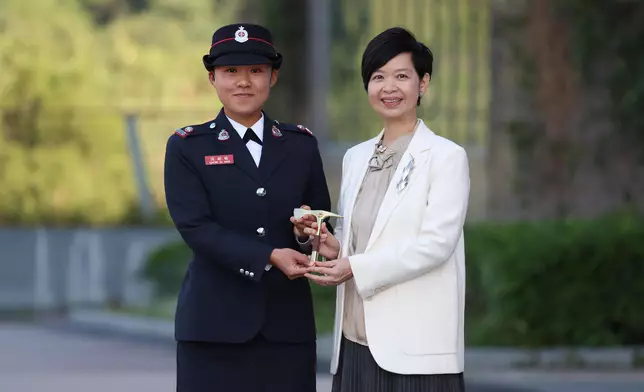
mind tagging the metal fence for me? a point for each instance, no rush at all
(56, 269)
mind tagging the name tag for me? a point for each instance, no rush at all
(219, 160)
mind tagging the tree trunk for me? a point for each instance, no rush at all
(553, 150)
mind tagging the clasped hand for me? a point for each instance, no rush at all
(327, 273)
(330, 273)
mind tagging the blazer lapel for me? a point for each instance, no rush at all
(273, 151)
(417, 151)
(357, 171)
(236, 146)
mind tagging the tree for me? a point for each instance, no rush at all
(65, 87)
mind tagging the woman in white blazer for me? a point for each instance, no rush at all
(397, 257)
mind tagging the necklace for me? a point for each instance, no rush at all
(381, 148)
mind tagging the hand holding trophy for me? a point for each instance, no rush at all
(324, 244)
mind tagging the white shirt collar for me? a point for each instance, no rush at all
(258, 127)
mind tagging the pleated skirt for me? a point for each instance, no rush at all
(359, 372)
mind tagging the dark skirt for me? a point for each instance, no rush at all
(256, 366)
(359, 372)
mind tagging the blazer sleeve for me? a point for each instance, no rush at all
(441, 229)
(190, 211)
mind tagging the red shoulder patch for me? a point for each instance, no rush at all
(181, 133)
(305, 129)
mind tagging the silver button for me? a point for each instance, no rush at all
(261, 192)
(261, 232)
(247, 273)
(251, 274)
(241, 271)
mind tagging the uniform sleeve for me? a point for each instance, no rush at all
(190, 211)
(441, 229)
(317, 191)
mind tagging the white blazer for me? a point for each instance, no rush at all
(411, 276)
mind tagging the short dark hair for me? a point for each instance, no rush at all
(389, 44)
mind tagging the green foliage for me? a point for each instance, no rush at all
(70, 71)
(166, 267)
(530, 284)
(607, 41)
(557, 283)
(580, 71)
(324, 305)
(50, 150)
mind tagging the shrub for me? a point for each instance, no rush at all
(558, 283)
(166, 266)
(530, 284)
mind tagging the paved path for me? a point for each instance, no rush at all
(38, 359)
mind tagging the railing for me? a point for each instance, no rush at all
(57, 269)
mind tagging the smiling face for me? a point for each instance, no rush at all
(243, 89)
(394, 88)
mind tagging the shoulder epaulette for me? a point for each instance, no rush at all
(301, 129)
(194, 129)
(184, 132)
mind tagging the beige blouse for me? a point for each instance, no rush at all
(382, 167)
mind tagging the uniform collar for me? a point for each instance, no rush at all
(258, 127)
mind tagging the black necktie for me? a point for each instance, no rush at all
(251, 135)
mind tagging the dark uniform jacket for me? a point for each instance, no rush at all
(232, 214)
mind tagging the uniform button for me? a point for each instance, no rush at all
(261, 232)
(241, 271)
(247, 273)
(261, 192)
(251, 274)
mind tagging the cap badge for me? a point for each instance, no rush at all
(241, 35)
(276, 131)
(223, 135)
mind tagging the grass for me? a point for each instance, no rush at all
(324, 304)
